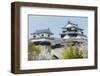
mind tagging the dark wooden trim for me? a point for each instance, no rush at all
(12, 38)
(15, 36)
(55, 69)
(47, 5)
(96, 38)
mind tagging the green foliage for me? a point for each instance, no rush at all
(72, 53)
(33, 48)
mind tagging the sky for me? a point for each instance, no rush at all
(54, 23)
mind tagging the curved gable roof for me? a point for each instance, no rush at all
(47, 31)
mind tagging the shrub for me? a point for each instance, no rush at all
(72, 52)
(33, 48)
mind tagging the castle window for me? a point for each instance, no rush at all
(68, 29)
(81, 32)
(64, 31)
(34, 36)
(48, 35)
(42, 35)
(73, 35)
(75, 30)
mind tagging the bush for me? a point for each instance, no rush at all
(33, 48)
(72, 52)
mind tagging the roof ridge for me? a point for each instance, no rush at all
(43, 31)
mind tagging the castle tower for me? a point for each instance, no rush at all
(42, 36)
(72, 32)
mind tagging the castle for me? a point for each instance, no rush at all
(70, 33)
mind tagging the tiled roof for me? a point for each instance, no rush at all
(43, 31)
(70, 25)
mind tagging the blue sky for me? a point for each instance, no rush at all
(54, 23)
